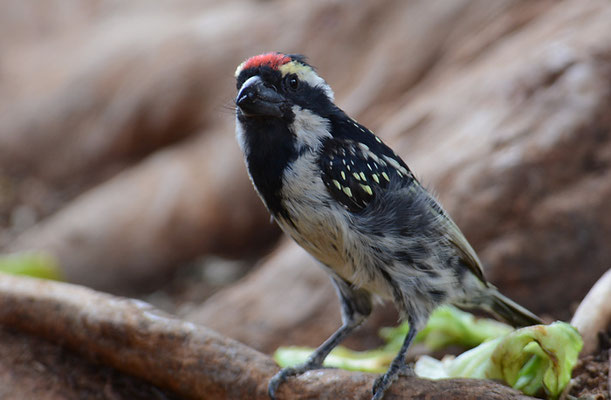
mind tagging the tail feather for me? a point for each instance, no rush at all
(508, 310)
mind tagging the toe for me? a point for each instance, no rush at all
(377, 384)
(407, 370)
(283, 375)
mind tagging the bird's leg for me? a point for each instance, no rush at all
(315, 360)
(397, 367)
(356, 306)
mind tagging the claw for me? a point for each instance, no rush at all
(383, 382)
(277, 380)
(356, 306)
(285, 373)
(398, 366)
(272, 386)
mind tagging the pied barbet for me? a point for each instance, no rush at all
(352, 203)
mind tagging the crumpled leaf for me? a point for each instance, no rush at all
(536, 359)
(35, 264)
(446, 326)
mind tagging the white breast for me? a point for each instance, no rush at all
(322, 227)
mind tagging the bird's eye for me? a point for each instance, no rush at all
(292, 82)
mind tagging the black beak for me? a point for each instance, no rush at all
(257, 99)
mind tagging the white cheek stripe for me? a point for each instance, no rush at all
(309, 129)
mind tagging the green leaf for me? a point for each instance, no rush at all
(538, 356)
(35, 264)
(446, 326)
(536, 359)
(369, 361)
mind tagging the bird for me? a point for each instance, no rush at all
(352, 203)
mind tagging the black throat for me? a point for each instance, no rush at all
(271, 149)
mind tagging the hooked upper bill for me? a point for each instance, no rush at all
(257, 99)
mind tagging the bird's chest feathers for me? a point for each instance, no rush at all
(321, 226)
(310, 220)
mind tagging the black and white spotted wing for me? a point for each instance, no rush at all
(353, 173)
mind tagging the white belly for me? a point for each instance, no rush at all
(322, 228)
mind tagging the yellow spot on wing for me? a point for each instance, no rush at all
(348, 191)
(385, 176)
(343, 175)
(356, 176)
(337, 185)
(367, 188)
(375, 178)
(363, 177)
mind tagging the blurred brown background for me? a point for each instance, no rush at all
(117, 153)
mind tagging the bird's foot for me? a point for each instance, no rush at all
(286, 373)
(383, 382)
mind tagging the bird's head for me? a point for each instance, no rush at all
(282, 104)
(271, 85)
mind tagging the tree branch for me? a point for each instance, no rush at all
(191, 360)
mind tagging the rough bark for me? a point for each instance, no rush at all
(32, 368)
(191, 361)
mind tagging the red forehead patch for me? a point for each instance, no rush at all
(272, 60)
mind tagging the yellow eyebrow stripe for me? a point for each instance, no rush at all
(295, 68)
